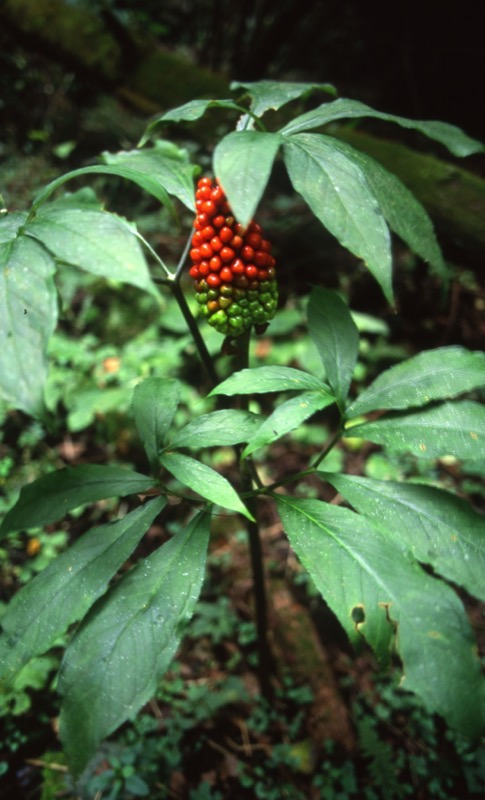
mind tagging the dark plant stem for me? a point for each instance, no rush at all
(204, 354)
(255, 548)
(260, 600)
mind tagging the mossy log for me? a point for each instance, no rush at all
(147, 75)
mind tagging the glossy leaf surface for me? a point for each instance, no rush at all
(271, 95)
(96, 241)
(449, 135)
(28, 315)
(64, 591)
(49, 498)
(219, 428)
(378, 593)
(431, 375)
(456, 429)
(155, 402)
(440, 529)
(338, 193)
(128, 640)
(260, 380)
(242, 164)
(287, 417)
(336, 337)
(203, 480)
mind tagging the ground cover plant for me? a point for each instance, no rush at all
(388, 563)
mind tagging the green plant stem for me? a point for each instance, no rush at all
(204, 354)
(255, 548)
(268, 489)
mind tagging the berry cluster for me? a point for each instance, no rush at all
(232, 266)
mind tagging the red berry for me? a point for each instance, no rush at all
(208, 207)
(227, 254)
(251, 272)
(260, 258)
(213, 279)
(226, 234)
(236, 242)
(204, 268)
(254, 240)
(215, 263)
(204, 193)
(207, 232)
(247, 253)
(204, 182)
(218, 221)
(237, 267)
(202, 220)
(194, 272)
(226, 275)
(217, 194)
(206, 250)
(216, 244)
(195, 254)
(197, 239)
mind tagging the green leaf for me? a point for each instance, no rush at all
(155, 402)
(378, 593)
(431, 375)
(456, 429)
(96, 241)
(219, 428)
(64, 591)
(440, 529)
(50, 498)
(188, 112)
(261, 380)
(242, 163)
(288, 416)
(449, 135)
(336, 338)
(203, 480)
(266, 95)
(403, 212)
(165, 163)
(28, 315)
(127, 642)
(337, 191)
(146, 181)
